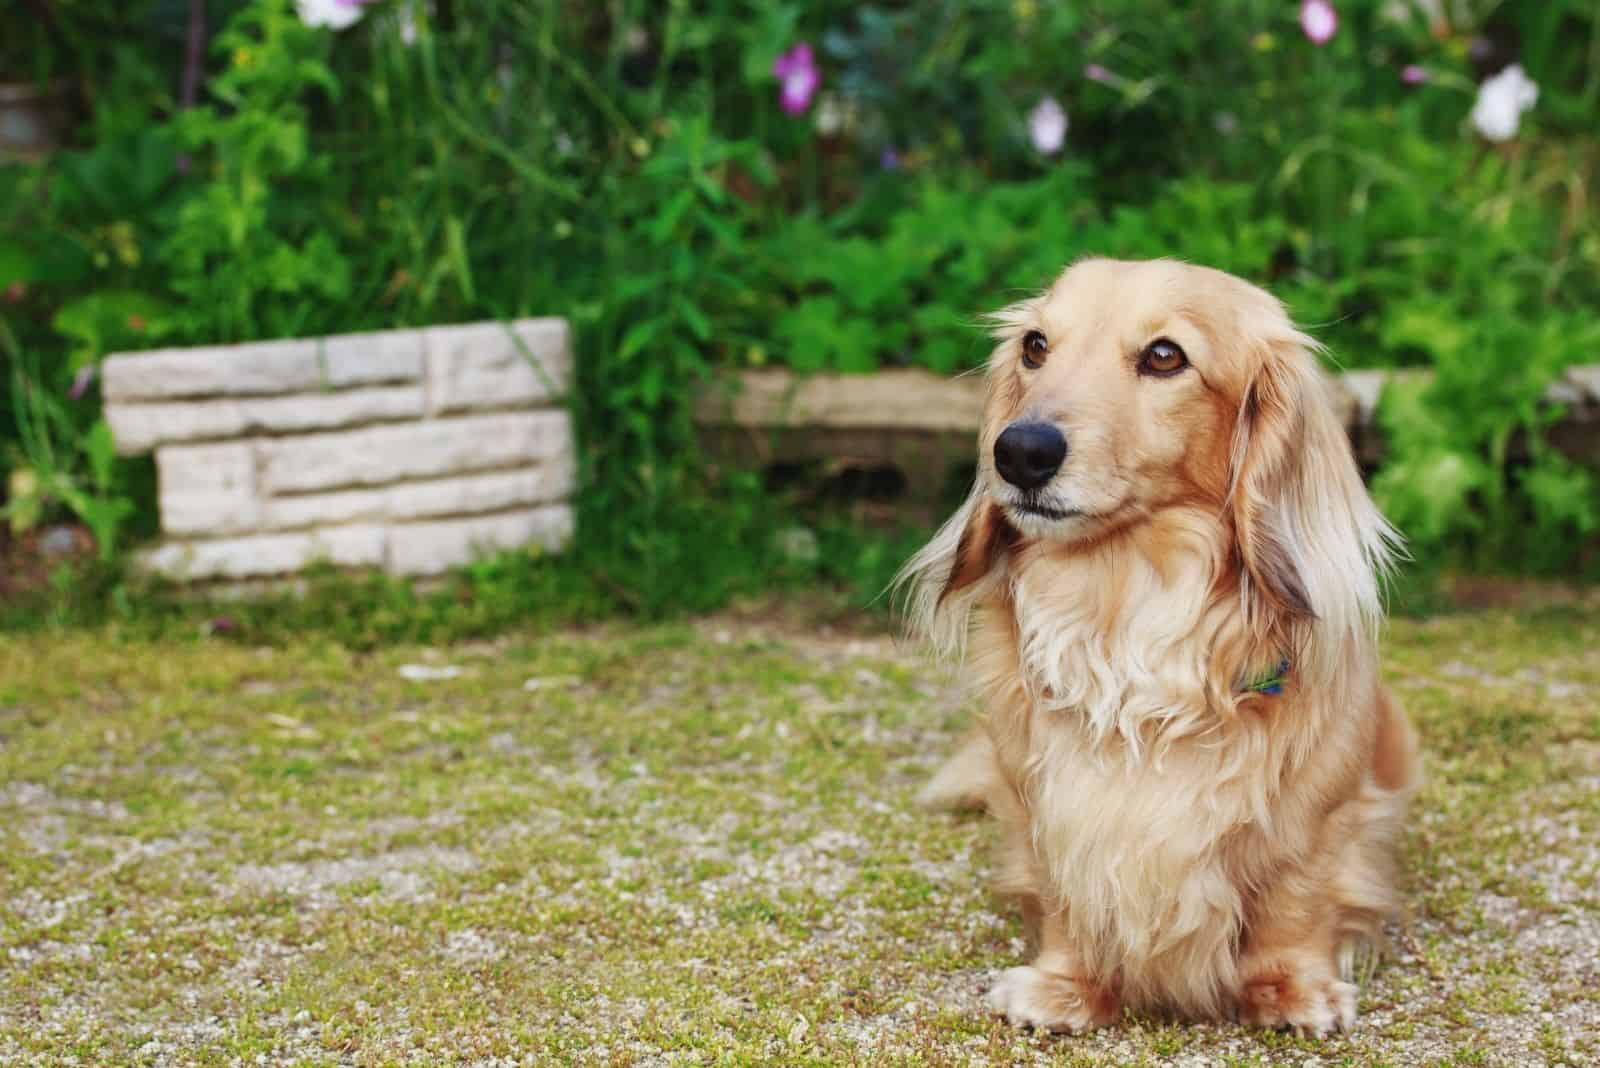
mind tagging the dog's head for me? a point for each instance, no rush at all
(1129, 389)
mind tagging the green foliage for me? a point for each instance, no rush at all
(59, 461)
(244, 254)
(1451, 438)
(864, 293)
(629, 165)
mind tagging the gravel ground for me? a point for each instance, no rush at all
(684, 844)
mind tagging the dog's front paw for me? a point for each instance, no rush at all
(1309, 1007)
(1030, 997)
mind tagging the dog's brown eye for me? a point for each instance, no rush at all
(1034, 349)
(1162, 357)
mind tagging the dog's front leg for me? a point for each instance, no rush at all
(1055, 992)
(1289, 975)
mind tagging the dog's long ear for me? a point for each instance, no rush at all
(984, 538)
(942, 580)
(945, 573)
(1269, 467)
(1312, 545)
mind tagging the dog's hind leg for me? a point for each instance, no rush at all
(969, 779)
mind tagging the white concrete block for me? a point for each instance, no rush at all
(141, 427)
(1366, 387)
(208, 489)
(373, 456)
(1565, 391)
(432, 547)
(552, 480)
(266, 554)
(496, 365)
(368, 359)
(275, 455)
(257, 368)
(263, 367)
(1587, 379)
(462, 495)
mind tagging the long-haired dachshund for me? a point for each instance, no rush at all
(1166, 584)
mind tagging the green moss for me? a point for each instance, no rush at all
(697, 840)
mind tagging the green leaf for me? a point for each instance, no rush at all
(637, 337)
(671, 215)
(1563, 494)
(1428, 496)
(1433, 329)
(698, 324)
(100, 447)
(109, 319)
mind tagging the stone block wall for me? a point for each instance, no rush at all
(409, 450)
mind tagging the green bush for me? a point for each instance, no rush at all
(631, 166)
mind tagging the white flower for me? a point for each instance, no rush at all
(407, 20)
(836, 114)
(1501, 102)
(830, 116)
(334, 14)
(1047, 126)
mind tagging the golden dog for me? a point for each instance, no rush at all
(1166, 585)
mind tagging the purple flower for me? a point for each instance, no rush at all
(1319, 20)
(1412, 74)
(81, 382)
(889, 159)
(1096, 73)
(797, 71)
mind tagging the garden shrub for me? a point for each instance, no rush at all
(640, 168)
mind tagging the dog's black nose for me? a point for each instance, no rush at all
(1027, 454)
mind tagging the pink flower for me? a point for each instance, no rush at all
(1096, 73)
(1412, 74)
(82, 381)
(797, 71)
(1319, 20)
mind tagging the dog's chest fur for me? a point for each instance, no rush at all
(1138, 803)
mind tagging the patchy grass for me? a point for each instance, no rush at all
(682, 844)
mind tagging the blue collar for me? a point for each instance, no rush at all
(1272, 682)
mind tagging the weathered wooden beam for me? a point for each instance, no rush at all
(916, 419)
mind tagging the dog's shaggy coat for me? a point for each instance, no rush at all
(1179, 841)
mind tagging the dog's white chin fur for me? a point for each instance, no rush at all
(1036, 526)
(1073, 518)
